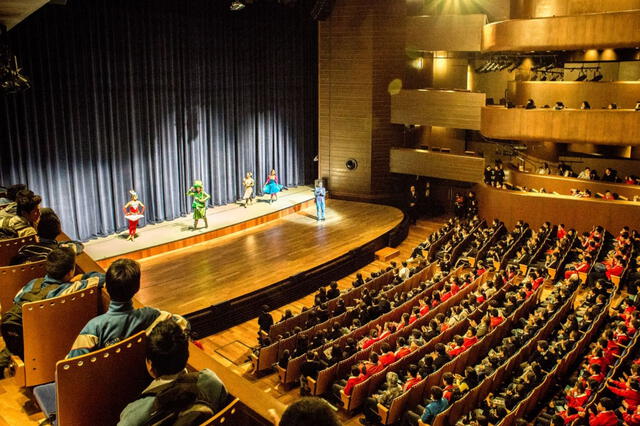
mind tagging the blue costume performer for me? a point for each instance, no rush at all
(320, 193)
(272, 187)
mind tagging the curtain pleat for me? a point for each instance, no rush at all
(153, 94)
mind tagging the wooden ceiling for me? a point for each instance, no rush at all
(12, 12)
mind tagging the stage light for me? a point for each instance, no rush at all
(544, 77)
(597, 75)
(582, 76)
(236, 5)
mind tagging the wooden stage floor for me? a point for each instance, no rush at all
(193, 278)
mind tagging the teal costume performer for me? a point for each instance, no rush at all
(320, 193)
(272, 187)
(200, 199)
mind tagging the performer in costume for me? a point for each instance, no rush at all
(133, 211)
(248, 184)
(320, 193)
(199, 205)
(271, 186)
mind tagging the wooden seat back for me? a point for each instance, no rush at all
(50, 327)
(395, 411)
(229, 415)
(13, 278)
(94, 388)
(9, 248)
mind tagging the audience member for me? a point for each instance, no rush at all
(25, 221)
(194, 397)
(121, 320)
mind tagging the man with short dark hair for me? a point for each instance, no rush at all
(24, 223)
(60, 279)
(167, 355)
(49, 229)
(121, 320)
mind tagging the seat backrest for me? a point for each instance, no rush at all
(229, 415)
(9, 248)
(49, 328)
(13, 278)
(94, 388)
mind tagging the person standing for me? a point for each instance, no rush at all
(248, 184)
(271, 186)
(412, 205)
(320, 193)
(133, 212)
(199, 205)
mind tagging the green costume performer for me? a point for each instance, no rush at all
(199, 204)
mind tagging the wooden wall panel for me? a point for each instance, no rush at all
(525, 9)
(361, 49)
(444, 108)
(604, 127)
(462, 168)
(456, 33)
(596, 31)
(578, 213)
(599, 94)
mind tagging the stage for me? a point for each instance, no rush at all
(264, 254)
(223, 220)
(194, 278)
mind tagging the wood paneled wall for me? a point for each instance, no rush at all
(598, 126)
(606, 30)
(525, 9)
(444, 108)
(462, 168)
(578, 213)
(456, 33)
(361, 49)
(599, 94)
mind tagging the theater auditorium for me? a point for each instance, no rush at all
(320, 212)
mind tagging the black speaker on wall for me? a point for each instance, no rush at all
(321, 9)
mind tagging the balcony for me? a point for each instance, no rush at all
(420, 162)
(432, 107)
(597, 126)
(594, 31)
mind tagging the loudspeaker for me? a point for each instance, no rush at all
(321, 9)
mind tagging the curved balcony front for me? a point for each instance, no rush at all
(595, 126)
(594, 31)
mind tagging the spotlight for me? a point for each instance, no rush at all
(236, 5)
(582, 76)
(555, 77)
(597, 75)
(534, 77)
(544, 77)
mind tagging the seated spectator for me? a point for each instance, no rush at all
(121, 320)
(358, 281)
(346, 386)
(58, 281)
(333, 291)
(24, 223)
(265, 320)
(49, 229)
(559, 106)
(392, 390)
(309, 411)
(585, 105)
(436, 405)
(585, 174)
(612, 105)
(174, 391)
(310, 368)
(544, 169)
(530, 104)
(8, 205)
(609, 175)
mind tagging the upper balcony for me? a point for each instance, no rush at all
(456, 109)
(591, 31)
(597, 126)
(463, 168)
(454, 33)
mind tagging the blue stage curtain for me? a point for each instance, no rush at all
(152, 94)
